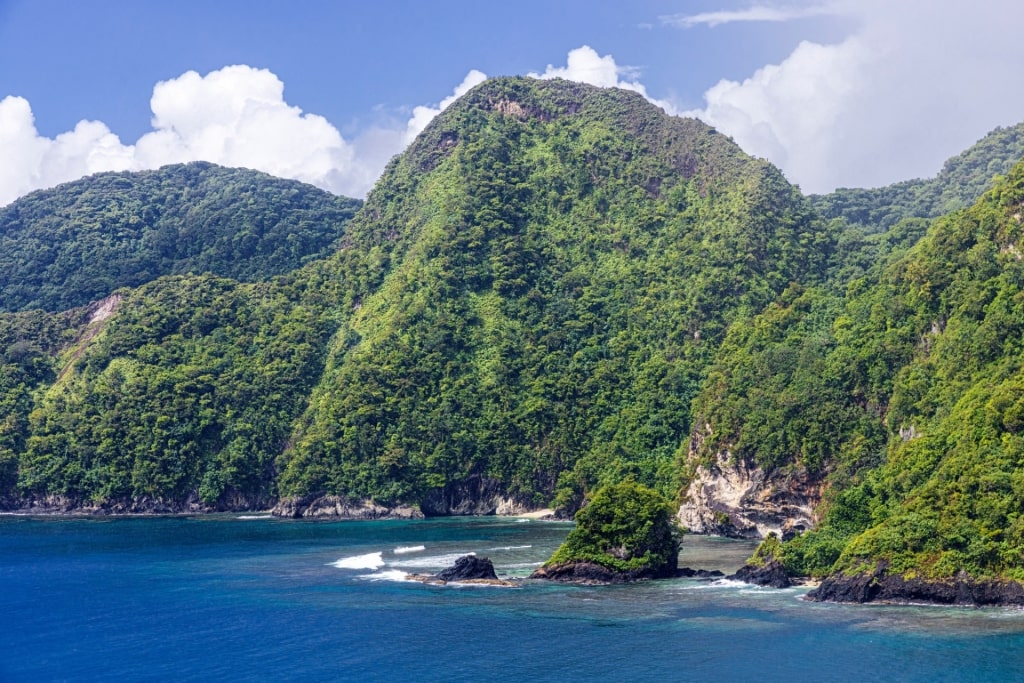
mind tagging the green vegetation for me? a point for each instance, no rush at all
(944, 325)
(962, 180)
(188, 392)
(79, 242)
(626, 528)
(547, 295)
(550, 269)
(528, 299)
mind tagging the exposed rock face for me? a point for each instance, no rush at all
(65, 505)
(590, 573)
(341, 507)
(881, 586)
(468, 567)
(738, 499)
(474, 496)
(771, 574)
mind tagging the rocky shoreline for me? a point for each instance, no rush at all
(882, 587)
(323, 507)
(589, 574)
(341, 507)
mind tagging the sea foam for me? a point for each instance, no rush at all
(429, 561)
(367, 561)
(402, 550)
(387, 575)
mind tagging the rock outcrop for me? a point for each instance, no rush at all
(688, 573)
(468, 567)
(591, 573)
(143, 505)
(881, 586)
(770, 574)
(738, 499)
(474, 496)
(341, 507)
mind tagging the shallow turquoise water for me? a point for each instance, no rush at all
(263, 599)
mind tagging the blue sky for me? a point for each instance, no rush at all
(836, 92)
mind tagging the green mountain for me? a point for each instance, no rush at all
(962, 180)
(557, 264)
(76, 243)
(522, 311)
(935, 346)
(555, 288)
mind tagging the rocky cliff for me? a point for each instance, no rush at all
(731, 497)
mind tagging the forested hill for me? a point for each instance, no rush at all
(523, 310)
(558, 287)
(556, 264)
(962, 180)
(78, 242)
(934, 344)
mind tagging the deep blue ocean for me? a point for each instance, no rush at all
(247, 597)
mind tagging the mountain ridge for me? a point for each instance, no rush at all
(78, 242)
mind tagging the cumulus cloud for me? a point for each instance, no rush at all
(585, 65)
(916, 82)
(235, 116)
(422, 115)
(32, 161)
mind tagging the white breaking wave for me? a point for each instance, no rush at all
(717, 583)
(401, 550)
(510, 547)
(429, 561)
(367, 561)
(254, 517)
(388, 575)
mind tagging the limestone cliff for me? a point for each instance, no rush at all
(731, 497)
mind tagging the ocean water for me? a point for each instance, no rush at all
(247, 597)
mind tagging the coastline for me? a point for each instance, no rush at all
(323, 508)
(881, 587)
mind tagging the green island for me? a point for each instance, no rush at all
(557, 296)
(626, 532)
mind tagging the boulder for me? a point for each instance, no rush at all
(770, 573)
(467, 568)
(687, 573)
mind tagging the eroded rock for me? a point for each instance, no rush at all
(341, 507)
(881, 586)
(731, 497)
(770, 574)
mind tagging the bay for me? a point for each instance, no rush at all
(248, 597)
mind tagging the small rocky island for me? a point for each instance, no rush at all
(764, 568)
(626, 533)
(467, 569)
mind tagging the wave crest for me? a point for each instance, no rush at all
(367, 561)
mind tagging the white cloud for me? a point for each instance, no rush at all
(32, 161)
(421, 116)
(754, 13)
(235, 116)
(917, 81)
(585, 65)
